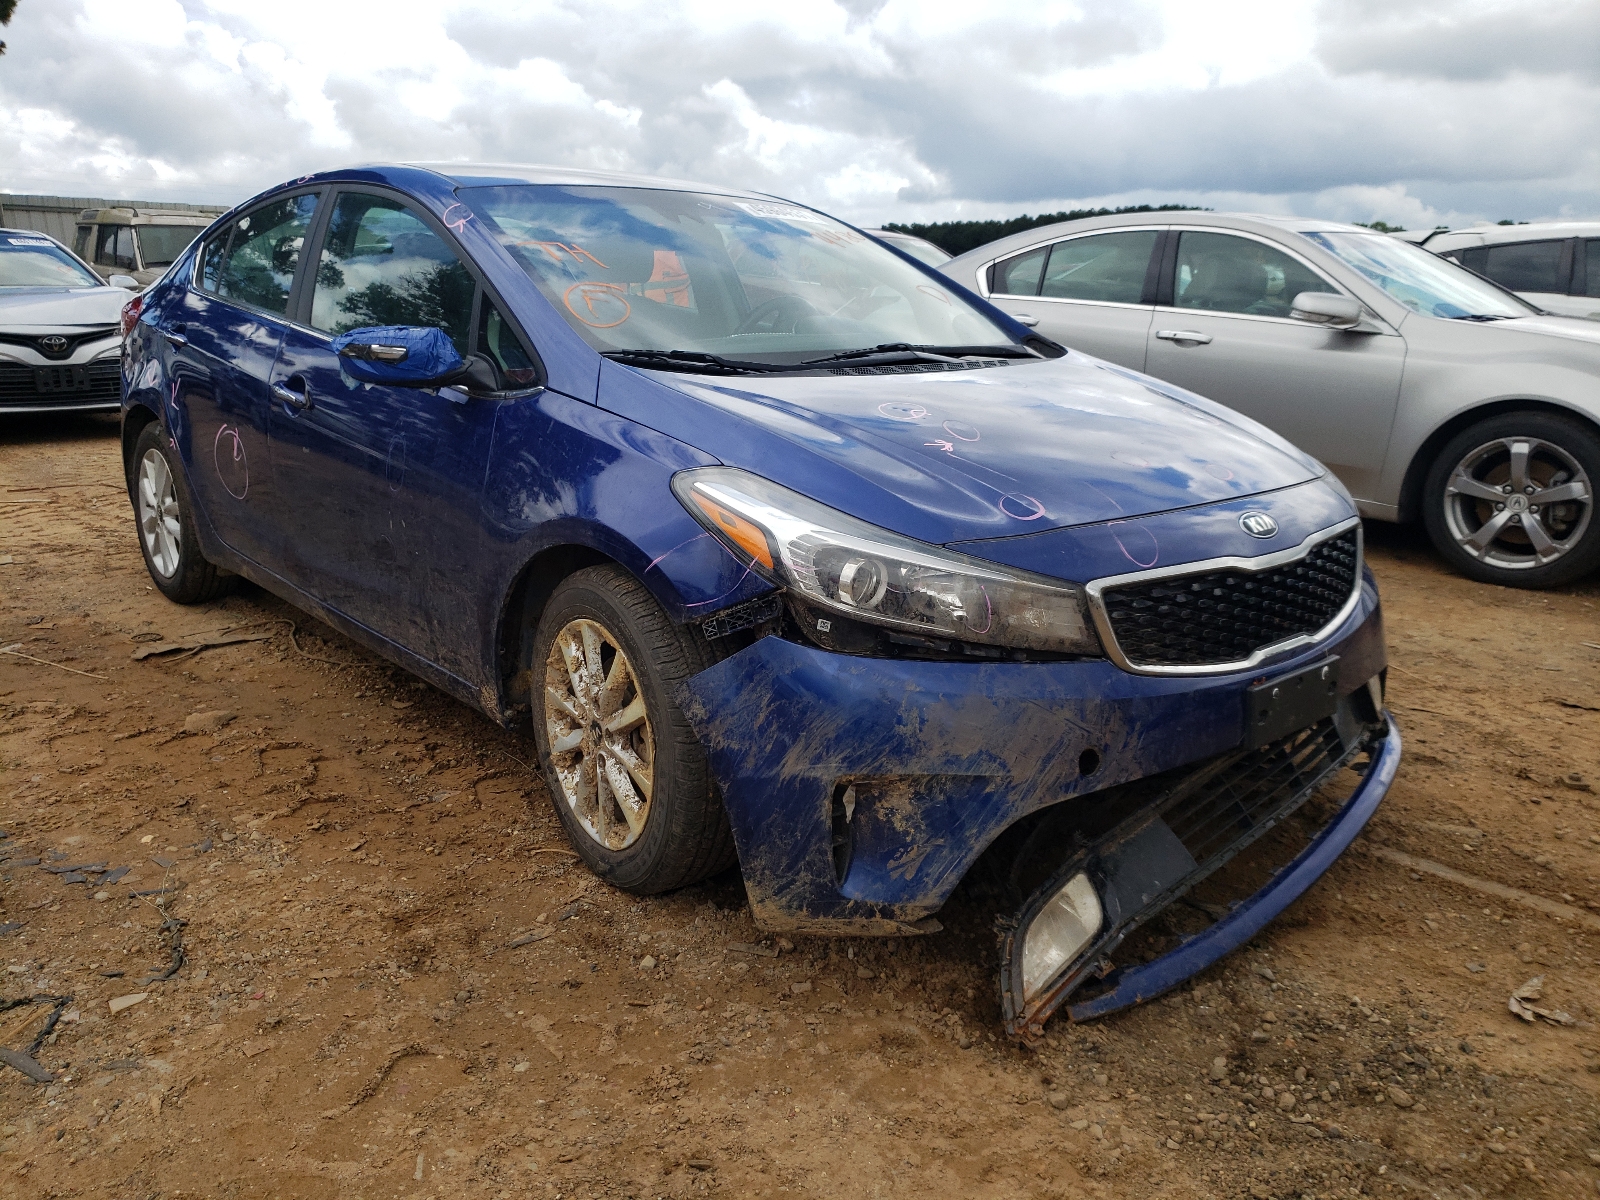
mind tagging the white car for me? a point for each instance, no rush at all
(1552, 264)
(60, 333)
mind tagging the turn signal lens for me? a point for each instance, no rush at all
(1065, 925)
(744, 534)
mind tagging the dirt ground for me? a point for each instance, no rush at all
(396, 983)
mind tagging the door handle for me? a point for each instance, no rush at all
(174, 335)
(294, 399)
(1183, 335)
(1025, 319)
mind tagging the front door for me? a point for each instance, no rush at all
(380, 485)
(1225, 332)
(221, 336)
(1093, 292)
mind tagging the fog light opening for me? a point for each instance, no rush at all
(1063, 928)
(1089, 762)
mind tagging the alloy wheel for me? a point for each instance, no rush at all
(158, 514)
(1518, 502)
(601, 744)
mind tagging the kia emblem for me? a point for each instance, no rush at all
(1258, 524)
(53, 343)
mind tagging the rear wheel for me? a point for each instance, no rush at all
(1511, 501)
(627, 774)
(166, 524)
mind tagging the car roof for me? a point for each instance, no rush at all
(1244, 222)
(490, 173)
(1489, 235)
(128, 215)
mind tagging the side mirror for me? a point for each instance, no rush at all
(124, 281)
(1327, 308)
(411, 356)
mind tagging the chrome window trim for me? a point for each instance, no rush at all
(1108, 638)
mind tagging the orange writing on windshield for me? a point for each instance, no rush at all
(555, 250)
(672, 279)
(600, 305)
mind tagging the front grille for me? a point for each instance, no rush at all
(74, 340)
(1226, 616)
(19, 386)
(916, 368)
(1220, 813)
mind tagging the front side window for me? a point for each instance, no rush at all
(1109, 267)
(1525, 266)
(1423, 282)
(253, 260)
(114, 248)
(1218, 272)
(500, 344)
(160, 245)
(80, 245)
(382, 265)
(643, 269)
(31, 262)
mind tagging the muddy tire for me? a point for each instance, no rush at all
(1511, 500)
(165, 524)
(626, 772)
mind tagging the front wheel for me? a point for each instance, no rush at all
(627, 774)
(166, 526)
(1511, 501)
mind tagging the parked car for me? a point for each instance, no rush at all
(1554, 265)
(60, 347)
(919, 248)
(138, 242)
(1433, 394)
(791, 553)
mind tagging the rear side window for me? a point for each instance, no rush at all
(1525, 266)
(114, 248)
(1109, 267)
(1020, 276)
(253, 261)
(1592, 266)
(382, 265)
(1219, 272)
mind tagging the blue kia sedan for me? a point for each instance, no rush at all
(792, 552)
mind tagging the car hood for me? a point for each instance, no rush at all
(58, 308)
(973, 454)
(1578, 329)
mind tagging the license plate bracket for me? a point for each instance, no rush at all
(1290, 703)
(61, 379)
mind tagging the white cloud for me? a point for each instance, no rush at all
(1413, 111)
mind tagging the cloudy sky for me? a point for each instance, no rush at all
(1413, 111)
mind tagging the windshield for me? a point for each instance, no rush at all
(640, 269)
(1423, 282)
(39, 262)
(160, 245)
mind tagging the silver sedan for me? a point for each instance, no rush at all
(1433, 394)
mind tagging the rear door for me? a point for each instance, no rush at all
(221, 337)
(1585, 299)
(1093, 292)
(1223, 330)
(381, 485)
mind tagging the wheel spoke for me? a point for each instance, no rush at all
(591, 654)
(633, 812)
(1545, 549)
(1573, 489)
(1520, 451)
(1463, 484)
(564, 703)
(628, 719)
(637, 769)
(617, 681)
(567, 742)
(572, 657)
(1476, 543)
(603, 792)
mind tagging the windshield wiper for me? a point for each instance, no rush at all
(687, 360)
(935, 352)
(1481, 317)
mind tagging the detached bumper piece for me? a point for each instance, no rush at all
(1061, 938)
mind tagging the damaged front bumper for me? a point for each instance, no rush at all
(861, 790)
(1168, 845)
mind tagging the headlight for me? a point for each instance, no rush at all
(109, 352)
(1064, 926)
(869, 574)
